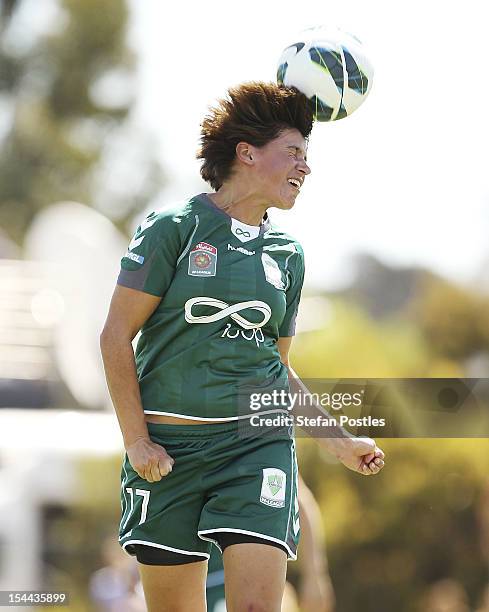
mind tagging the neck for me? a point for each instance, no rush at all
(244, 208)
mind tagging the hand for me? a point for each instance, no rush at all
(316, 593)
(360, 455)
(149, 460)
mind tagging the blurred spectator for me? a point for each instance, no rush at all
(116, 586)
(483, 519)
(316, 592)
(445, 596)
(484, 601)
(289, 601)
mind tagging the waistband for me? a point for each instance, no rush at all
(192, 430)
(242, 427)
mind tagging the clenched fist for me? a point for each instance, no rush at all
(149, 460)
(361, 455)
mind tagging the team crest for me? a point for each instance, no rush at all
(273, 488)
(202, 260)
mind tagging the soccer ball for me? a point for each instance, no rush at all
(331, 68)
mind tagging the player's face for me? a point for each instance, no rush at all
(282, 168)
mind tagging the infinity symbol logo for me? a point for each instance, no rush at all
(226, 310)
(239, 232)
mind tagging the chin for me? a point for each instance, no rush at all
(288, 204)
(283, 205)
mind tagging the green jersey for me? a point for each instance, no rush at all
(229, 290)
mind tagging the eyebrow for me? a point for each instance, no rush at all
(299, 149)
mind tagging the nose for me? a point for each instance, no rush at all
(303, 167)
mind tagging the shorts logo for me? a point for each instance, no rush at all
(273, 487)
(202, 260)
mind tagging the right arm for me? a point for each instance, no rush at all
(129, 310)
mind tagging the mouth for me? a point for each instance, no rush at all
(295, 183)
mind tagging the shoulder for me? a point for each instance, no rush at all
(285, 242)
(159, 239)
(171, 223)
(177, 215)
(274, 232)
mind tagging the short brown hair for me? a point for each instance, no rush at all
(253, 112)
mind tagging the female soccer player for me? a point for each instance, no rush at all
(214, 289)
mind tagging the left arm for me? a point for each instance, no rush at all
(358, 454)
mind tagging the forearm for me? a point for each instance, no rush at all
(121, 376)
(333, 438)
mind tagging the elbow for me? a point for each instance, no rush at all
(104, 339)
(108, 337)
(112, 335)
(284, 358)
(286, 362)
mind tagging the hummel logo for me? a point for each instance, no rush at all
(135, 242)
(147, 223)
(240, 249)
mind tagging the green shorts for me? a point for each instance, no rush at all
(221, 482)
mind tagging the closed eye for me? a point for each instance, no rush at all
(298, 152)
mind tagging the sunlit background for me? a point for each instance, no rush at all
(100, 106)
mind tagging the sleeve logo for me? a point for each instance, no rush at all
(134, 257)
(137, 240)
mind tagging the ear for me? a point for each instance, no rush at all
(244, 153)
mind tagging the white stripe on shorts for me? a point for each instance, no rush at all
(251, 533)
(175, 550)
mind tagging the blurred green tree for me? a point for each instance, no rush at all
(66, 91)
(392, 536)
(354, 345)
(452, 319)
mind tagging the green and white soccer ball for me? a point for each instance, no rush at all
(331, 68)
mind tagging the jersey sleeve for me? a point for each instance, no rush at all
(293, 294)
(151, 258)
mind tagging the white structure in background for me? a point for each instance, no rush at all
(29, 309)
(39, 452)
(52, 308)
(83, 249)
